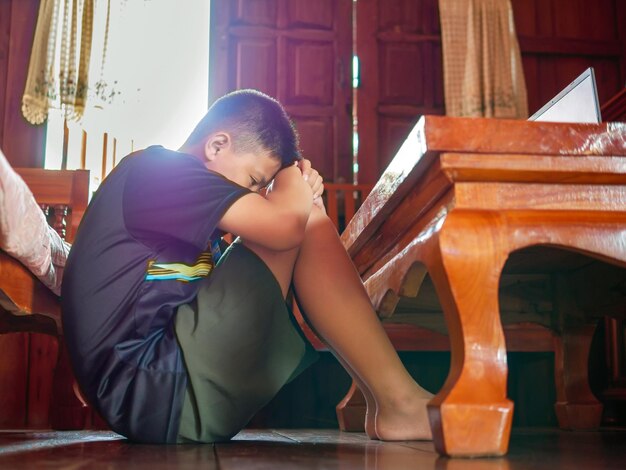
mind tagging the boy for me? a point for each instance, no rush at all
(169, 347)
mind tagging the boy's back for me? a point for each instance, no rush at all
(143, 241)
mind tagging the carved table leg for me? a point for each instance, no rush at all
(471, 415)
(577, 407)
(351, 410)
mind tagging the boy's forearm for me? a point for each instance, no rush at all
(278, 220)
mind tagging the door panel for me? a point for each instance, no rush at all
(254, 64)
(315, 87)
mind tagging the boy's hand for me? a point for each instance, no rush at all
(312, 177)
(319, 202)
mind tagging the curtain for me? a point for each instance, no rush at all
(133, 69)
(483, 73)
(145, 82)
(154, 77)
(60, 60)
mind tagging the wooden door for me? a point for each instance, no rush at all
(300, 52)
(398, 43)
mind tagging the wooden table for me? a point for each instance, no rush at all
(459, 197)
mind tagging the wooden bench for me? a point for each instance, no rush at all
(26, 305)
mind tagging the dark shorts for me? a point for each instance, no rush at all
(240, 345)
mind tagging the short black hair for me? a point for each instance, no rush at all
(254, 120)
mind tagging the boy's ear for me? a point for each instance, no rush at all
(215, 144)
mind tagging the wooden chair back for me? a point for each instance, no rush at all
(342, 200)
(62, 194)
(25, 303)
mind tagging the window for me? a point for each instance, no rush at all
(153, 85)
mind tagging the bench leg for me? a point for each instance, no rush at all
(576, 408)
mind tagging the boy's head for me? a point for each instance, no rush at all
(245, 122)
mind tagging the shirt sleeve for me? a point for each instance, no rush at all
(169, 195)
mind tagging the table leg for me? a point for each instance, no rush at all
(576, 407)
(471, 415)
(351, 410)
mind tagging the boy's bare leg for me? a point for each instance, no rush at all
(282, 263)
(336, 304)
(370, 413)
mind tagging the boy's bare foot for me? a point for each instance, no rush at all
(405, 420)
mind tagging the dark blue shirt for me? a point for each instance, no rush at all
(141, 248)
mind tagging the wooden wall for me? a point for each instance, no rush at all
(399, 46)
(561, 38)
(26, 360)
(21, 142)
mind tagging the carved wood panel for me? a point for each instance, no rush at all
(254, 63)
(300, 53)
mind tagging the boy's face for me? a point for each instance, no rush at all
(252, 170)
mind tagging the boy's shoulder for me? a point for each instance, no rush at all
(158, 172)
(159, 162)
(157, 154)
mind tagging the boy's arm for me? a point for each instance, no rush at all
(276, 221)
